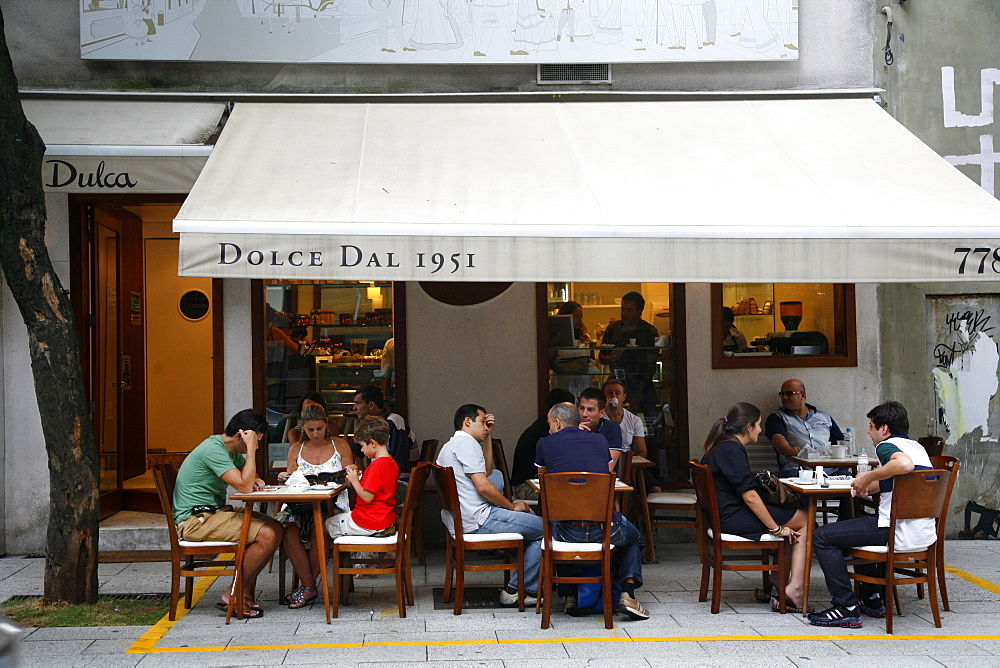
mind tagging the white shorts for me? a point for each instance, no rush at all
(342, 525)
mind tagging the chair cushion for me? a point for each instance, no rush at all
(733, 537)
(487, 537)
(365, 540)
(672, 497)
(205, 543)
(884, 549)
(563, 546)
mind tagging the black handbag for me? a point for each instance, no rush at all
(773, 492)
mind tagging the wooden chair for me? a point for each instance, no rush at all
(661, 512)
(428, 450)
(916, 495)
(459, 542)
(950, 464)
(500, 463)
(934, 445)
(398, 565)
(712, 543)
(164, 477)
(582, 497)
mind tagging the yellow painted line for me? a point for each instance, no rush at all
(974, 579)
(147, 641)
(536, 641)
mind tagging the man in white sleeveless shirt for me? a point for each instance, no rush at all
(897, 455)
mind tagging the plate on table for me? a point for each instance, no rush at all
(321, 487)
(802, 481)
(295, 488)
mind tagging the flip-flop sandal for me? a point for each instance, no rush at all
(222, 607)
(789, 606)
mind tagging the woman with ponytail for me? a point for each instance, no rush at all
(740, 508)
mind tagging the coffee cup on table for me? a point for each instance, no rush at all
(839, 451)
(806, 475)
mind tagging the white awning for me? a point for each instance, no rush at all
(114, 147)
(770, 190)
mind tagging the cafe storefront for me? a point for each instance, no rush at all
(423, 246)
(787, 210)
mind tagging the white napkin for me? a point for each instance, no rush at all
(297, 479)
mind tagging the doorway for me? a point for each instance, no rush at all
(150, 346)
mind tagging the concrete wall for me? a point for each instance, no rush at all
(927, 36)
(836, 42)
(482, 354)
(906, 377)
(24, 478)
(951, 118)
(846, 393)
(236, 342)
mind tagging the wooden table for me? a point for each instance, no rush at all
(282, 495)
(813, 494)
(831, 463)
(639, 482)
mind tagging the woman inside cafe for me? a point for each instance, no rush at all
(740, 508)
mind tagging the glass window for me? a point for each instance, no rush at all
(329, 337)
(783, 325)
(596, 333)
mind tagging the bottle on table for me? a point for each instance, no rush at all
(849, 437)
(863, 464)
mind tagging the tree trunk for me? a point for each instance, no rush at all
(71, 542)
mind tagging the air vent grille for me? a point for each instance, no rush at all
(590, 73)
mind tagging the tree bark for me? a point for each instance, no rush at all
(71, 541)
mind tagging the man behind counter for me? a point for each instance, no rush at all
(634, 367)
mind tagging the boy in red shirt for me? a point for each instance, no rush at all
(375, 511)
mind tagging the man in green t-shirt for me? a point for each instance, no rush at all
(199, 503)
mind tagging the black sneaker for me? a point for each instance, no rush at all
(836, 617)
(873, 607)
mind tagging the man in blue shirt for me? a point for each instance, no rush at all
(591, 406)
(796, 425)
(570, 449)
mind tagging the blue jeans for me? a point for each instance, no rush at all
(501, 520)
(627, 556)
(829, 543)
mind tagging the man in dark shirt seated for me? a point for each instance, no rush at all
(591, 406)
(570, 449)
(523, 466)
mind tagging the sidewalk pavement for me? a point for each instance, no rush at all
(681, 630)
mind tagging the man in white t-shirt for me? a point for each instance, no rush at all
(897, 455)
(484, 507)
(633, 429)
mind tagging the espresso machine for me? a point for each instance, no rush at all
(791, 341)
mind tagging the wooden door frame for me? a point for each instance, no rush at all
(81, 276)
(678, 325)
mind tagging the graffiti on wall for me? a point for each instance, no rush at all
(987, 158)
(962, 336)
